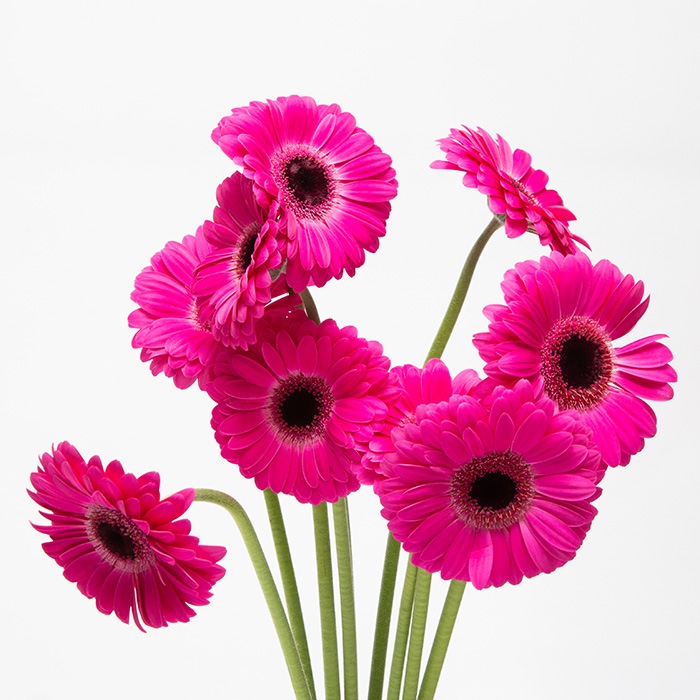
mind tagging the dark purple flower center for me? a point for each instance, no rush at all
(300, 407)
(246, 249)
(492, 492)
(576, 363)
(119, 540)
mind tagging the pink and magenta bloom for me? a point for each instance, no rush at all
(295, 411)
(558, 328)
(171, 333)
(517, 193)
(332, 183)
(491, 491)
(120, 542)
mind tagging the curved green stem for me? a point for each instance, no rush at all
(289, 584)
(403, 625)
(383, 623)
(343, 546)
(460, 292)
(267, 583)
(442, 639)
(415, 648)
(310, 306)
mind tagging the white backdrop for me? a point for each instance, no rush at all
(106, 155)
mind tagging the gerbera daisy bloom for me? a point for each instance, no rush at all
(297, 409)
(235, 282)
(430, 384)
(332, 182)
(122, 544)
(172, 336)
(561, 318)
(491, 493)
(516, 191)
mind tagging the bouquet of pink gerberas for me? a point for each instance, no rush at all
(480, 480)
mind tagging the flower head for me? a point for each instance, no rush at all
(120, 542)
(516, 191)
(298, 408)
(489, 492)
(332, 182)
(561, 318)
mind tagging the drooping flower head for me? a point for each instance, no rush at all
(561, 318)
(331, 181)
(120, 542)
(172, 335)
(430, 384)
(516, 191)
(296, 410)
(491, 492)
(235, 281)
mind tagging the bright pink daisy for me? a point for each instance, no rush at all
(332, 182)
(430, 384)
(235, 282)
(491, 493)
(296, 411)
(561, 318)
(120, 543)
(172, 336)
(516, 192)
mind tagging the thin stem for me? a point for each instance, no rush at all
(460, 292)
(442, 639)
(343, 546)
(324, 569)
(403, 625)
(289, 584)
(267, 584)
(415, 648)
(383, 623)
(310, 306)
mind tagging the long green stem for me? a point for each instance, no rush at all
(289, 584)
(403, 625)
(415, 648)
(343, 546)
(267, 584)
(324, 569)
(460, 292)
(442, 639)
(383, 623)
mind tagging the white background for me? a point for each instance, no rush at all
(106, 155)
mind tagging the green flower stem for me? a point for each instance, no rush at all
(415, 648)
(460, 292)
(442, 639)
(343, 547)
(310, 306)
(383, 623)
(324, 569)
(289, 584)
(267, 584)
(403, 625)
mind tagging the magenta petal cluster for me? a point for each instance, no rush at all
(515, 190)
(558, 328)
(491, 492)
(296, 411)
(120, 542)
(171, 335)
(332, 183)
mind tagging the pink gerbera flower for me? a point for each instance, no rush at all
(235, 282)
(561, 318)
(332, 182)
(491, 493)
(172, 335)
(516, 192)
(296, 410)
(431, 384)
(122, 544)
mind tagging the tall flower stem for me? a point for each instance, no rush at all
(324, 569)
(343, 547)
(442, 639)
(460, 292)
(403, 626)
(415, 648)
(383, 622)
(267, 584)
(289, 584)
